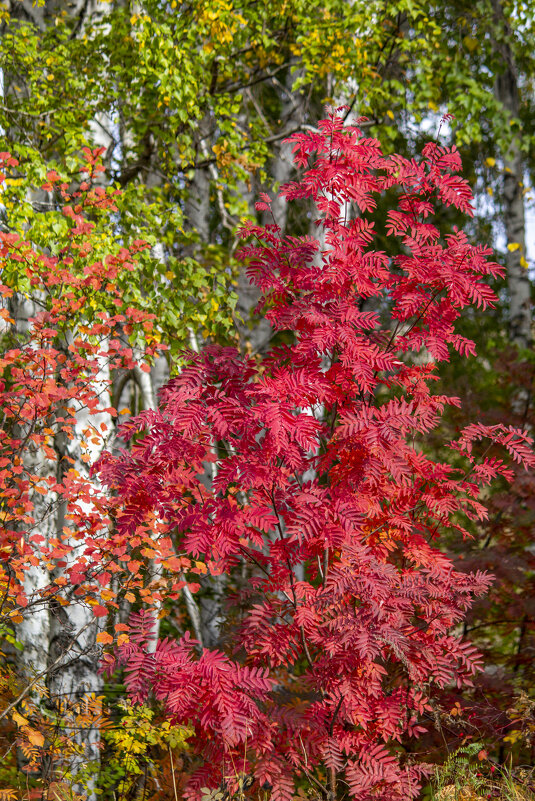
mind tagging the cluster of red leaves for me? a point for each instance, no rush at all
(322, 491)
(55, 372)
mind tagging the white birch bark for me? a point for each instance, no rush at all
(33, 631)
(59, 641)
(205, 611)
(72, 647)
(507, 92)
(258, 332)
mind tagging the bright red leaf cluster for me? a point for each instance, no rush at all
(322, 493)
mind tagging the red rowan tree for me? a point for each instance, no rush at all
(322, 495)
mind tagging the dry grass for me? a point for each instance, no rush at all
(502, 785)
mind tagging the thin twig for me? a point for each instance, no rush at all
(39, 676)
(173, 773)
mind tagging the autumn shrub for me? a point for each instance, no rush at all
(324, 509)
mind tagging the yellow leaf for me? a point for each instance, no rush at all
(490, 190)
(129, 596)
(122, 638)
(8, 795)
(390, 114)
(512, 246)
(470, 43)
(523, 262)
(36, 738)
(19, 720)
(433, 106)
(490, 162)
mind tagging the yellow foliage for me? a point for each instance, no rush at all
(221, 20)
(513, 736)
(137, 733)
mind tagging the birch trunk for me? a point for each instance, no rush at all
(72, 647)
(258, 332)
(507, 92)
(33, 631)
(197, 206)
(206, 610)
(60, 641)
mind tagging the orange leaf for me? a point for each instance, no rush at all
(36, 738)
(104, 637)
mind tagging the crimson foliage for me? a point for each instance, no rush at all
(322, 493)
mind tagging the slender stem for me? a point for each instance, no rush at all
(173, 773)
(335, 715)
(40, 675)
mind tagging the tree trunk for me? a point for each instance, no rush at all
(33, 631)
(197, 206)
(73, 628)
(257, 332)
(60, 641)
(506, 91)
